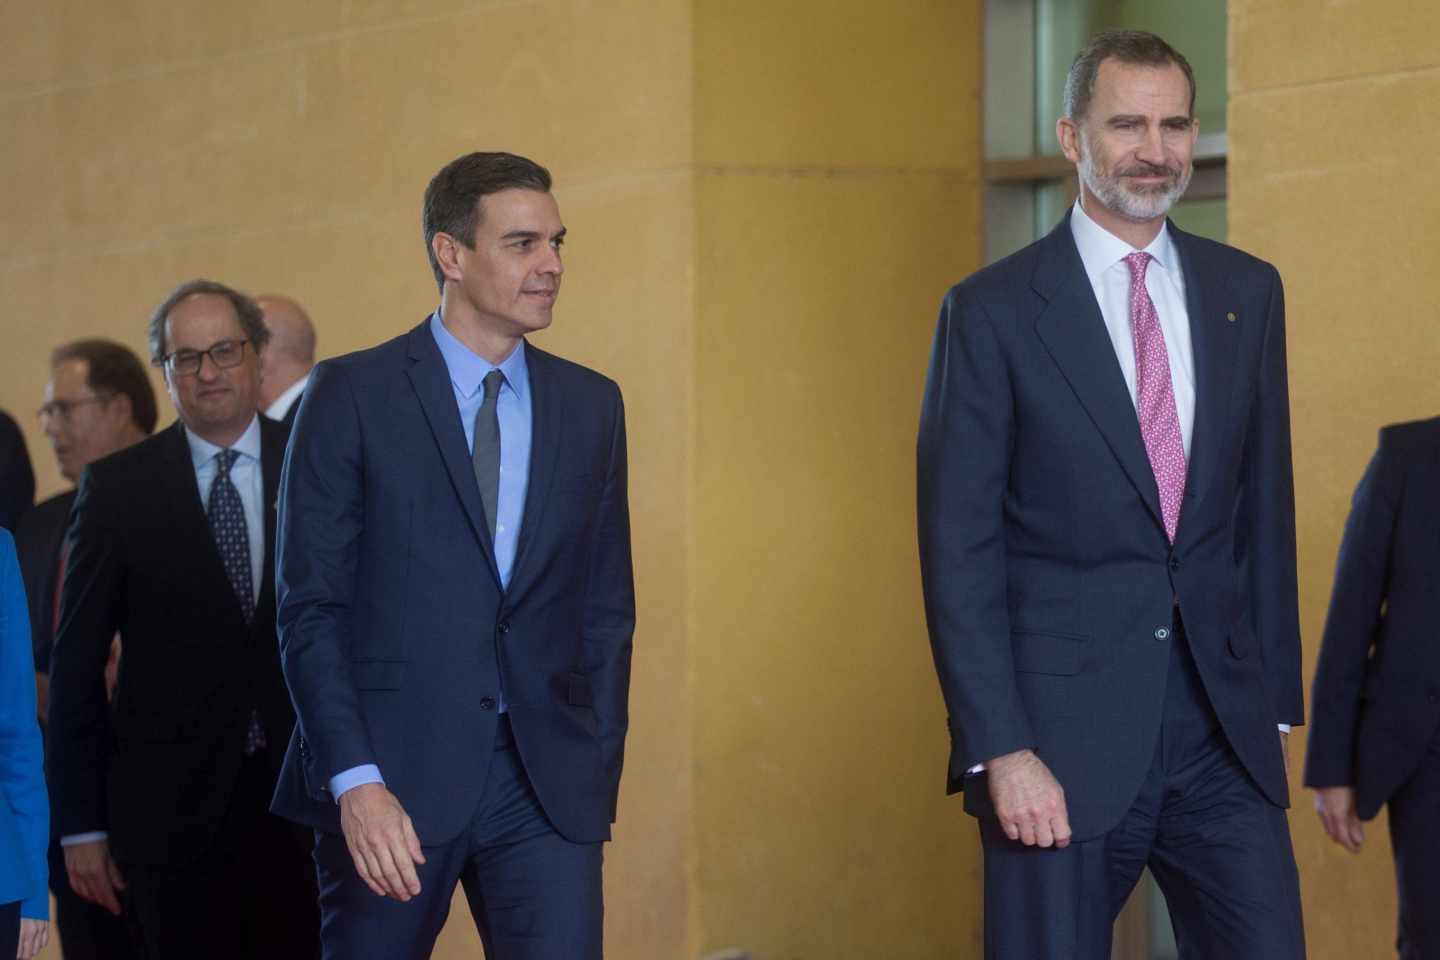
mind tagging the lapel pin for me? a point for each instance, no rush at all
(1230, 317)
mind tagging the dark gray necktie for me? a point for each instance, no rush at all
(486, 452)
(232, 537)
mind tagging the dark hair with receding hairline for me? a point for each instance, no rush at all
(452, 200)
(252, 319)
(112, 368)
(1133, 47)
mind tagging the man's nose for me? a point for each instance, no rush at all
(1152, 147)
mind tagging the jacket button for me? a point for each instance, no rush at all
(487, 703)
(1162, 633)
(1174, 563)
(504, 626)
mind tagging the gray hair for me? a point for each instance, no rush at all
(252, 319)
(1134, 47)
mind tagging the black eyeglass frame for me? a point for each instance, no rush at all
(171, 360)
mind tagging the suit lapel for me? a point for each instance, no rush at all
(431, 380)
(1073, 331)
(272, 456)
(1213, 340)
(546, 426)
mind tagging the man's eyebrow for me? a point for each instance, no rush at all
(531, 235)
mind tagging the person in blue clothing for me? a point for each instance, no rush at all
(24, 809)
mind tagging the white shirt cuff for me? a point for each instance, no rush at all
(354, 777)
(1284, 727)
(78, 838)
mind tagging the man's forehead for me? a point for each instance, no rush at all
(1161, 88)
(202, 316)
(520, 208)
(69, 376)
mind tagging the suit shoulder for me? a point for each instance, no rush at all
(1234, 261)
(382, 356)
(1411, 435)
(44, 517)
(572, 375)
(134, 457)
(1000, 278)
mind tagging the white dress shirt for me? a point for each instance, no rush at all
(281, 406)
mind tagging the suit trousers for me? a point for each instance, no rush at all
(1415, 841)
(250, 896)
(1219, 850)
(533, 894)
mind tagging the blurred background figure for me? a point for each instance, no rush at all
(1375, 732)
(171, 542)
(98, 400)
(17, 479)
(285, 365)
(24, 812)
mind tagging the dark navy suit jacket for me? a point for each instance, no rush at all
(1377, 683)
(396, 636)
(1049, 582)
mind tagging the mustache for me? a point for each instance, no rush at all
(1149, 170)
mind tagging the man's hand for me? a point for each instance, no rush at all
(1028, 800)
(93, 875)
(34, 934)
(1336, 806)
(42, 696)
(382, 840)
(1285, 748)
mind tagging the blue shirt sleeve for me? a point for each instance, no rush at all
(354, 777)
(22, 782)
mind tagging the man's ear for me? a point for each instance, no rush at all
(447, 254)
(1068, 133)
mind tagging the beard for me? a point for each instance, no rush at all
(1141, 204)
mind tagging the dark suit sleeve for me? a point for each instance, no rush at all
(321, 522)
(1362, 576)
(966, 437)
(79, 722)
(1266, 521)
(610, 610)
(17, 479)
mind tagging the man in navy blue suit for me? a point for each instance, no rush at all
(1108, 549)
(1375, 726)
(457, 603)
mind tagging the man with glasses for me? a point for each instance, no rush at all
(171, 543)
(98, 400)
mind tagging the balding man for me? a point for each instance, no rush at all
(285, 365)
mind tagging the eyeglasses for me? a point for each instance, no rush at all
(63, 408)
(225, 354)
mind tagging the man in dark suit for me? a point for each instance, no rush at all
(1375, 723)
(98, 400)
(17, 479)
(1107, 548)
(285, 367)
(171, 546)
(456, 602)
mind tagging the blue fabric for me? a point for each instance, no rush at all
(24, 807)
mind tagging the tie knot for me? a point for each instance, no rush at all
(225, 459)
(1137, 262)
(492, 383)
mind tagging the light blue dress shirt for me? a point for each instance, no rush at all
(467, 371)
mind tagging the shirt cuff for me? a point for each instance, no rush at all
(354, 777)
(975, 769)
(1284, 727)
(78, 838)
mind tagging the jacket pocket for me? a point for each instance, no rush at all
(1056, 654)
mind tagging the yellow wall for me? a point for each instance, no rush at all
(1329, 165)
(837, 191)
(765, 205)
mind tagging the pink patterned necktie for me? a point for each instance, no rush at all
(1155, 396)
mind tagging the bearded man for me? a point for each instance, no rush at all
(1107, 541)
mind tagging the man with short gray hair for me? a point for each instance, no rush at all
(171, 544)
(1107, 544)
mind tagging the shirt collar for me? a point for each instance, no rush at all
(468, 369)
(202, 451)
(281, 406)
(1100, 249)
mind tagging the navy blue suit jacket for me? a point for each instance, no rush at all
(1377, 683)
(396, 636)
(1049, 582)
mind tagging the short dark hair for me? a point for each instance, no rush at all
(452, 200)
(1134, 47)
(112, 368)
(252, 319)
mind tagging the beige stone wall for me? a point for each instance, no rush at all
(765, 204)
(837, 185)
(1330, 152)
